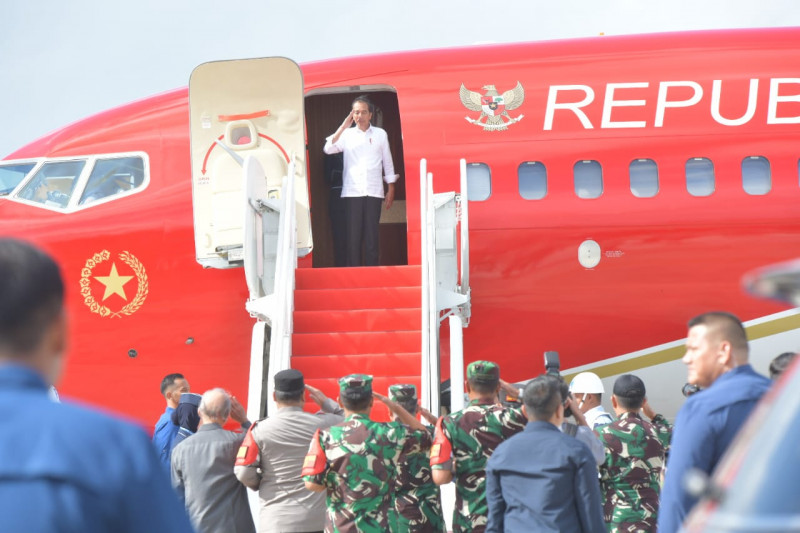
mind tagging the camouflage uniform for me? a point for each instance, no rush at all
(417, 503)
(356, 462)
(630, 475)
(465, 440)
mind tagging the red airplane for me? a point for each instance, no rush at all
(618, 186)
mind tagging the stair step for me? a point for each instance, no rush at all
(363, 298)
(304, 344)
(357, 320)
(375, 364)
(358, 277)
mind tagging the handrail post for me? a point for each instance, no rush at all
(425, 393)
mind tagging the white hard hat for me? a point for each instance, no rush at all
(587, 382)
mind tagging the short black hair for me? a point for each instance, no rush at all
(541, 396)
(31, 296)
(726, 325)
(366, 100)
(630, 402)
(356, 399)
(168, 381)
(483, 386)
(780, 364)
(289, 397)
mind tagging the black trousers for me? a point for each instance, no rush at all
(363, 220)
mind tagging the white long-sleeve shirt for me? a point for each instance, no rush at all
(367, 161)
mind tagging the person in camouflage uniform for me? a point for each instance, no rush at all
(635, 450)
(356, 461)
(417, 503)
(465, 440)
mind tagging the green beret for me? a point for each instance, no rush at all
(483, 371)
(355, 382)
(403, 393)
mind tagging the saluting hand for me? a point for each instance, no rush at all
(316, 395)
(237, 411)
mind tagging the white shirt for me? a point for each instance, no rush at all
(597, 416)
(366, 154)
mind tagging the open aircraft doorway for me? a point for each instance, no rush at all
(324, 114)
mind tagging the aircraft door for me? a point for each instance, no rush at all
(240, 108)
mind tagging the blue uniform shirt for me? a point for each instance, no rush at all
(164, 436)
(65, 468)
(704, 428)
(545, 481)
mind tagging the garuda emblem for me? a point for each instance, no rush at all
(114, 281)
(494, 107)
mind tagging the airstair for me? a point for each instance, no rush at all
(358, 320)
(251, 207)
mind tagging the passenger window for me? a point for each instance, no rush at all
(756, 175)
(479, 182)
(112, 177)
(53, 183)
(700, 176)
(532, 176)
(588, 179)
(12, 175)
(643, 174)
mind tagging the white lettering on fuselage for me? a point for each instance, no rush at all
(671, 95)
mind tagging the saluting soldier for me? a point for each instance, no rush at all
(635, 450)
(356, 461)
(417, 502)
(465, 440)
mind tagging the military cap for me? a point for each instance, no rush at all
(191, 398)
(629, 386)
(484, 371)
(403, 393)
(290, 380)
(355, 383)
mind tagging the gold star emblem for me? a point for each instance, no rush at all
(115, 284)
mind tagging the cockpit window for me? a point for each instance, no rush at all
(53, 183)
(11, 175)
(111, 177)
(75, 183)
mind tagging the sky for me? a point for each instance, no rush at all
(65, 60)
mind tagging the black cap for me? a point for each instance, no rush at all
(629, 386)
(290, 380)
(191, 398)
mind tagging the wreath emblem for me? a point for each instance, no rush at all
(97, 307)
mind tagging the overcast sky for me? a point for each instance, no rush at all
(64, 60)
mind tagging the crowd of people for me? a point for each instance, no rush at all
(546, 457)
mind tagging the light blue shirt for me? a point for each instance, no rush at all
(704, 428)
(164, 436)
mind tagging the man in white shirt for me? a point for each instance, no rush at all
(367, 164)
(588, 391)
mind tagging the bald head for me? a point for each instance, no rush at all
(215, 406)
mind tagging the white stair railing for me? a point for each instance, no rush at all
(445, 287)
(270, 263)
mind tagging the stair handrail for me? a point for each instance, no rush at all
(445, 287)
(277, 307)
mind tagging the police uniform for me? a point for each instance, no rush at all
(630, 475)
(417, 502)
(356, 462)
(465, 440)
(67, 468)
(271, 458)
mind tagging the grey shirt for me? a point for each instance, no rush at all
(283, 441)
(202, 473)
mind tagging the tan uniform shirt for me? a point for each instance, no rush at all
(283, 440)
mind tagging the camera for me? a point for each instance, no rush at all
(552, 367)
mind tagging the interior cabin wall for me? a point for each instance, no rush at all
(324, 114)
